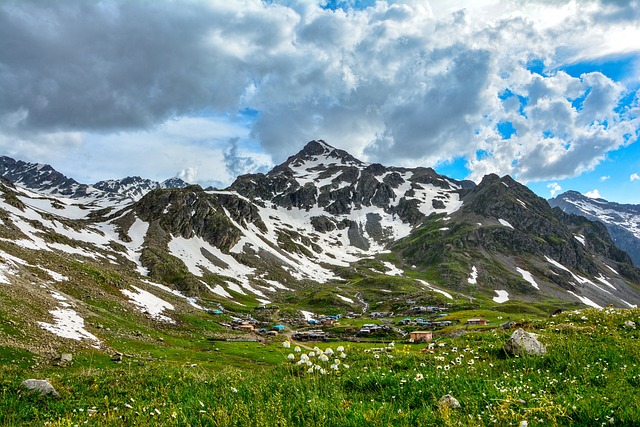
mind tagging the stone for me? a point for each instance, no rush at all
(508, 325)
(522, 342)
(117, 357)
(66, 358)
(41, 386)
(448, 401)
(630, 324)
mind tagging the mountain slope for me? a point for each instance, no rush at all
(321, 232)
(507, 240)
(622, 221)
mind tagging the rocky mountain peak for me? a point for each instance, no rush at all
(174, 182)
(317, 153)
(40, 177)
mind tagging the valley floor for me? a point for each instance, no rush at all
(590, 376)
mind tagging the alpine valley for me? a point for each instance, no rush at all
(323, 233)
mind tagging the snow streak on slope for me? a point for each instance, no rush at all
(505, 223)
(528, 277)
(434, 289)
(149, 303)
(585, 300)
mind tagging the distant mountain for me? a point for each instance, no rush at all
(40, 177)
(622, 221)
(45, 179)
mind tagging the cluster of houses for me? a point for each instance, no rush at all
(325, 320)
(371, 328)
(315, 335)
(428, 309)
(253, 325)
(423, 322)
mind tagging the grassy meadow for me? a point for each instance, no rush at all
(590, 376)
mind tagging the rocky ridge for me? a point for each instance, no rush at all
(622, 221)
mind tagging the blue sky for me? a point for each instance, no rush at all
(544, 91)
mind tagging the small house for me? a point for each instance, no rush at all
(421, 336)
(477, 322)
(247, 327)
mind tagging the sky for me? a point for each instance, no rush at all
(205, 90)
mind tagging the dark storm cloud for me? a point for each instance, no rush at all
(111, 65)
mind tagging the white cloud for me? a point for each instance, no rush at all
(593, 194)
(188, 174)
(554, 188)
(605, 178)
(634, 177)
(120, 87)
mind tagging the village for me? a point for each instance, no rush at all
(418, 325)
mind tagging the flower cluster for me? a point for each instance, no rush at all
(319, 361)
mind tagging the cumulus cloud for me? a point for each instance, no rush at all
(634, 177)
(407, 84)
(554, 188)
(593, 194)
(188, 174)
(238, 164)
(605, 178)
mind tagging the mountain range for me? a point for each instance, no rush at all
(622, 221)
(321, 232)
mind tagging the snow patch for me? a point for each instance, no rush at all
(503, 296)
(473, 277)
(613, 270)
(505, 223)
(393, 270)
(580, 238)
(308, 315)
(149, 303)
(528, 277)
(434, 289)
(68, 324)
(345, 299)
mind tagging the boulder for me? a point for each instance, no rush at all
(448, 401)
(522, 342)
(630, 324)
(41, 386)
(66, 358)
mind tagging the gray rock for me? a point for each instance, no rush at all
(66, 358)
(448, 401)
(508, 325)
(522, 342)
(41, 386)
(117, 357)
(630, 324)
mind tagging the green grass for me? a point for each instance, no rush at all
(590, 376)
